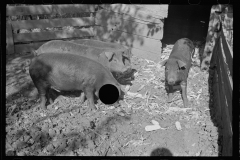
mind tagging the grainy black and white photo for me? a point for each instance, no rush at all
(119, 79)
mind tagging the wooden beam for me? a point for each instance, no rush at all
(9, 38)
(40, 36)
(48, 9)
(22, 48)
(73, 8)
(129, 25)
(49, 23)
(136, 12)
(29, 10)
(130, 40)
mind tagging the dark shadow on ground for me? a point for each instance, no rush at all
(91, 137)
(161, 152)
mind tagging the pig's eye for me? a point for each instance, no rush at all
(124, 59)
(182, 68)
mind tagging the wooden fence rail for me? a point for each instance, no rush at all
(134, 26)
(26, 41)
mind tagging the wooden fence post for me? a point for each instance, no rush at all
(9, 38)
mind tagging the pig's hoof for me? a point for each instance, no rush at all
(185, 104)
(50, 101)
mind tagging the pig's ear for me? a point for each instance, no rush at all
(181, 64)
(109, 55)
(163, 62)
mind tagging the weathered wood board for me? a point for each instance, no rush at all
(50, 23)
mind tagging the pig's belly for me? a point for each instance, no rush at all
(64, 84)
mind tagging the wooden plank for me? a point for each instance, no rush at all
(133, 11)
(44, 23)
(40, 36)
(107, 14)
(29, 10)
(227, 52)
(224, 100)
(227, 95)
(227, 63)
(141, 11)
(226, 122)
(48, 9)
(118, 22)
(225, 84)
(73, 8)
(228, 36)
(158, 11)
(9, 38)
(23, 48)
(227, 140)
(215, 85)
(130, 40)
(227, 88)
(152, 32)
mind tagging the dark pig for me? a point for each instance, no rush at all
(68, 72)
(110, 58)
(177, 67)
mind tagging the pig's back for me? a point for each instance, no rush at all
(182, 50)
(76, 62)
(60, 46)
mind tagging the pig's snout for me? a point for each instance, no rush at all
(127, 73)
(171, 81)
(128, 70)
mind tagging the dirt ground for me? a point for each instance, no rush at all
(143, 125)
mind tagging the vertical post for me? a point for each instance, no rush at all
(9, 38)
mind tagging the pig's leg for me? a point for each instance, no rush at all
(43, 101)
(53, 94)
(82, 96)
(170, 93)
(43, 98)
(43, 91)
(90, 97)
(184, 93)
(50, 101)
(49, 95)
(97, 93)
